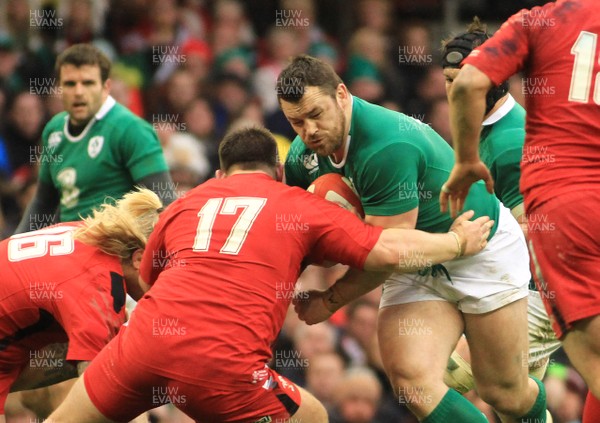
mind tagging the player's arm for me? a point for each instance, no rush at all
(54, 371)
(45, 203)
(467, 108)
(161, 184)
(392, 253)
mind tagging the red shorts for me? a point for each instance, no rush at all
(564, 236)
(122, 388)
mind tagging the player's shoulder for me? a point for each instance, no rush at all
(375, 127)
(123, 116)
(56, 123)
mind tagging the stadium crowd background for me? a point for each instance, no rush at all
(195, 69)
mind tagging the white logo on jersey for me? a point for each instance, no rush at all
(67, 178)
(54, 139)
(95, 145)
(311, 163)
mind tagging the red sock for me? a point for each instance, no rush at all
(591, 410)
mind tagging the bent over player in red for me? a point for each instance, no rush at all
(68, 283)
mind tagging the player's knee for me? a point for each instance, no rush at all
(504, 398)
(37, 400)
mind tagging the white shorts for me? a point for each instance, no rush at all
(497, 276)
(542, 339)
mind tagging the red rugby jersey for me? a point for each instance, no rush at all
(224, 261)
(46, 276)
(557, 47)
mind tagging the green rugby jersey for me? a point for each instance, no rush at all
(396, 163)
(501, 149)
(115, 149)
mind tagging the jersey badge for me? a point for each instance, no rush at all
(311, 163)
(95, 146)
(54, 139)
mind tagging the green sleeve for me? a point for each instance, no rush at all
(44, 172)
(506, 171)
(141, 151)
(388, 180)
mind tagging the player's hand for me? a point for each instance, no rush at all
(456, 188)
(473, 235)
(310, 306)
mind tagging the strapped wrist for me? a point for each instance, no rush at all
(459, 247)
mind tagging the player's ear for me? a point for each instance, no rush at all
(219, 174)
(107, 85)
(279, 172)
(136, 258)
(342, 94)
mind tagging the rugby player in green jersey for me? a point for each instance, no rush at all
(94, 150)
(398, 165)
(501, 149)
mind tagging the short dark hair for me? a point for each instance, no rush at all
(249, 149)
(84, 54)
(306, 71)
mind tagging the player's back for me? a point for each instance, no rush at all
(40, 269)
(231, 250)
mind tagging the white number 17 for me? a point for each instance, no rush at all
(251, 208)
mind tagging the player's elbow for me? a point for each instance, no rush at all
(470, 81)
(383, 257)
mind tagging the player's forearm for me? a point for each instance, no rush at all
(467, 108)
(161, 184)
(408, 250)
(351, 286)
(41, 211)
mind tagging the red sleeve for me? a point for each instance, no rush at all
(342, 237)
(506, 52)
(154, 258)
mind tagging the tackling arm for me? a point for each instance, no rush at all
(44, 203)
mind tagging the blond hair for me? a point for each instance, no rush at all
(124, 227)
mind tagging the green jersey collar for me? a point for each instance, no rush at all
(104, 109)
(501, 112)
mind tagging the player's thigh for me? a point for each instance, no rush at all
(77, 407)
(582, 345)
(498, 342)
(565, 253)
(417, 338)
(310, 411)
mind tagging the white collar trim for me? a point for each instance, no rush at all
(343, 162)
(501, 112)
(104, 109)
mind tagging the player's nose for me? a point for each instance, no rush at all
(310, 127)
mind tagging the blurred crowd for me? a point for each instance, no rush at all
(195, 69)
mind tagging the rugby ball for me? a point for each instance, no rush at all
(338, 189)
